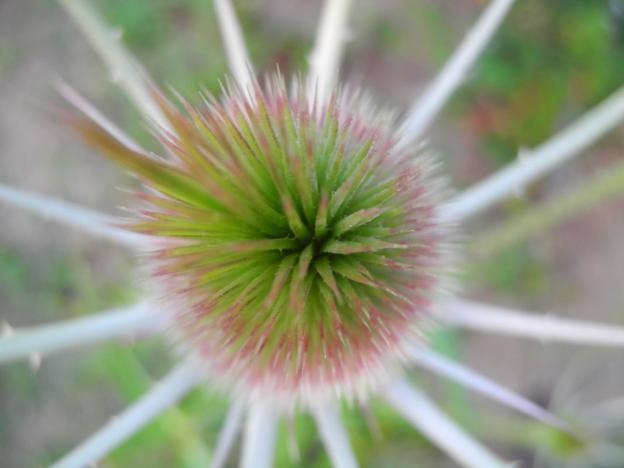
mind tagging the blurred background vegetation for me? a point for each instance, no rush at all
(551, 61)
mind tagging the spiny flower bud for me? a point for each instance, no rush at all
(301, 246)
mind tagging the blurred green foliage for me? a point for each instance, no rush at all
(551, 61)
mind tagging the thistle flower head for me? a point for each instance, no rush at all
(301, 246)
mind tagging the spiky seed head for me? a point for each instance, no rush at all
(299, 249)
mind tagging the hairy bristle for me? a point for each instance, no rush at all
(303, 247)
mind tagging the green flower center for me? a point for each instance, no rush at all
(302, 246)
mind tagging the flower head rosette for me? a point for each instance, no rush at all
(299, 248)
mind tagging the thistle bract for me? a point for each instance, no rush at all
(298, 247)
